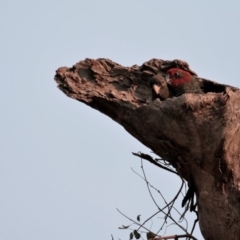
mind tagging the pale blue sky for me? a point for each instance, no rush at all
(64, 167)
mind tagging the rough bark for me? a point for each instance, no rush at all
(199, 134)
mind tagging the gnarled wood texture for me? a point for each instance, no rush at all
(199, 134)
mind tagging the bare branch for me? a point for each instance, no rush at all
(150, 159)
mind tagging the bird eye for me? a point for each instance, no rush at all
(176, 74)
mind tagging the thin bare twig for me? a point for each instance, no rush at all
(149, 190)
(133, 220)
(169, 205)
(175, 237)
(150, 159)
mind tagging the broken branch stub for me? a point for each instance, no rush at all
(197, 133)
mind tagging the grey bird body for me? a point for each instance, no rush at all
(160, 87)
(190, 87)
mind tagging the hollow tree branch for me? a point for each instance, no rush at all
(198, 134)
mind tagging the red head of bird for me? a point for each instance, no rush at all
(178, 77)
(183, 82)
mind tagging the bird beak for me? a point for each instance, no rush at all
(168, 80)
(156, 89)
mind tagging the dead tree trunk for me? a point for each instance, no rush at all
(198, 134)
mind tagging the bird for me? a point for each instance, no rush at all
(182, 81)
(160, 87)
